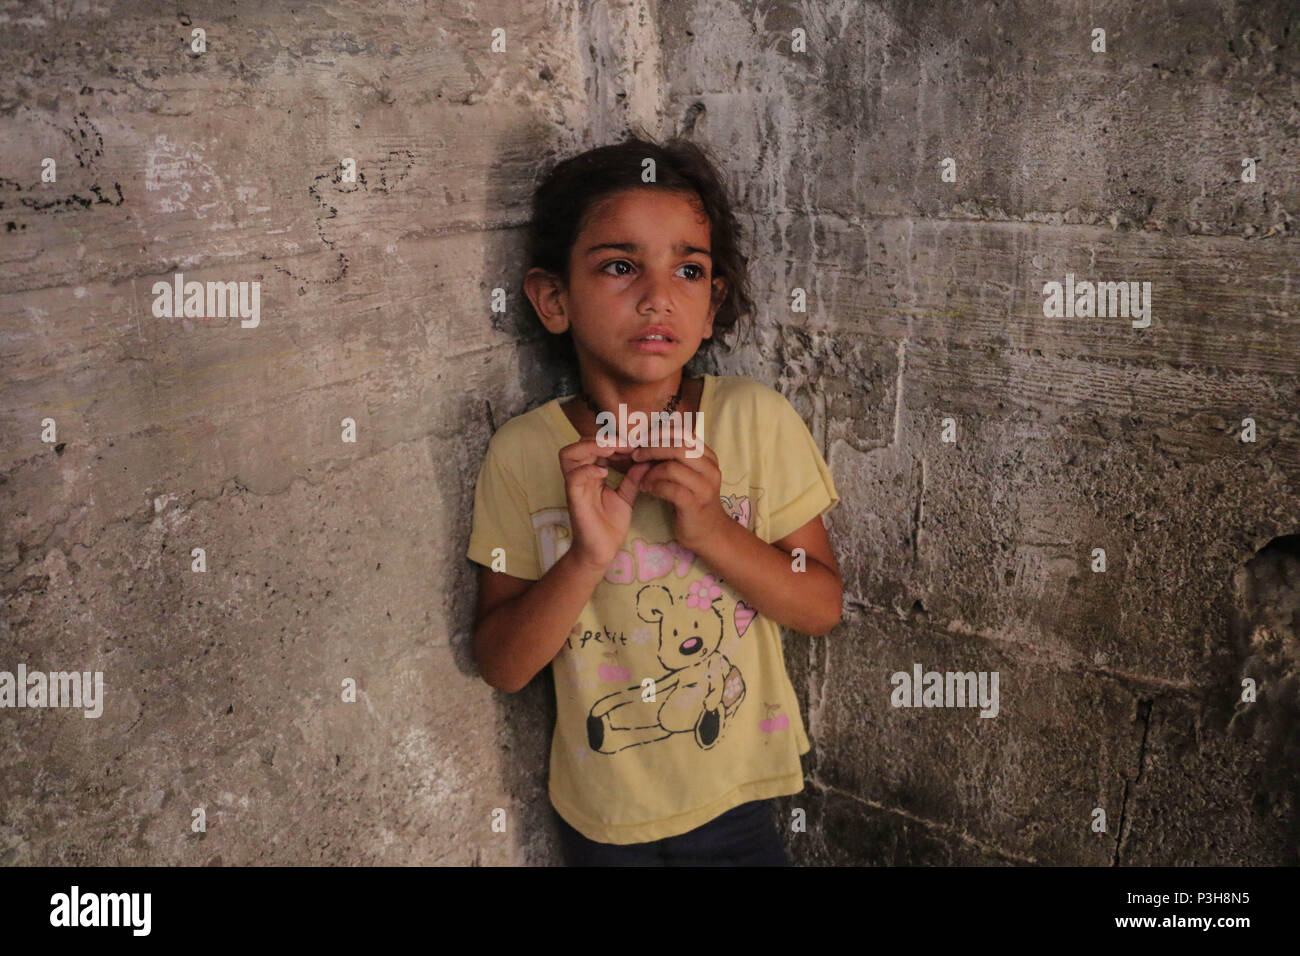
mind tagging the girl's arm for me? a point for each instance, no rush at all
(522, 624)
(808, 601)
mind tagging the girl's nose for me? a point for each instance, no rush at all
(658, 295)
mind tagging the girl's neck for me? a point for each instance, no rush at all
(584, 419)
(650, 397)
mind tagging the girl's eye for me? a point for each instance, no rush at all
(698, 274)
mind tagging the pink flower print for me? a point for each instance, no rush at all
(640, 635)
(703, 593)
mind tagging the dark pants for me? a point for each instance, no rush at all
(743, 836)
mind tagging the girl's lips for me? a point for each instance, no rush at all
(653, 346)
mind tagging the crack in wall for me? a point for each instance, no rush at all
(901, 352)
(918, 513)
(1144, 715)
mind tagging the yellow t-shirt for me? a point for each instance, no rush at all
(724, 727)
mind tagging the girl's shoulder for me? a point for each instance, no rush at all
(748, 397)
(525, 425)
(757, 420)
(525, 436)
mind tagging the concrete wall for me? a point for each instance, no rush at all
(328, 560)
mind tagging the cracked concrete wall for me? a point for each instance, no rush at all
(329, 560)
(1120, 691)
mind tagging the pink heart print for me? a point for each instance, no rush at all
(652, 561)
(742, 616)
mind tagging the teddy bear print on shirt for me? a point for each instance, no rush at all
(700, 690)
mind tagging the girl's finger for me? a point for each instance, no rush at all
(644, 452)
(666, 488)
(585, 473)
(656, 452)
(685, 473)
(698, 484)
(583, 448)
(584, 452)
(631, 485)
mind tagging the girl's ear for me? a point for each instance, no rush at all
(546, 292)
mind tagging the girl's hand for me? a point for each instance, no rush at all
(692, 485)
(599, 515)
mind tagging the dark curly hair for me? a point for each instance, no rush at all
(565, 196)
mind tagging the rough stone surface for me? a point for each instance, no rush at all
(327, 561)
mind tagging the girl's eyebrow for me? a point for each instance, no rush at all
(682, 248)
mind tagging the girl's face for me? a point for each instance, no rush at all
(640, 265)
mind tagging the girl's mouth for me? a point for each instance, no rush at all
(654, 344)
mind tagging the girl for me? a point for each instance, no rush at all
(652, 570)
